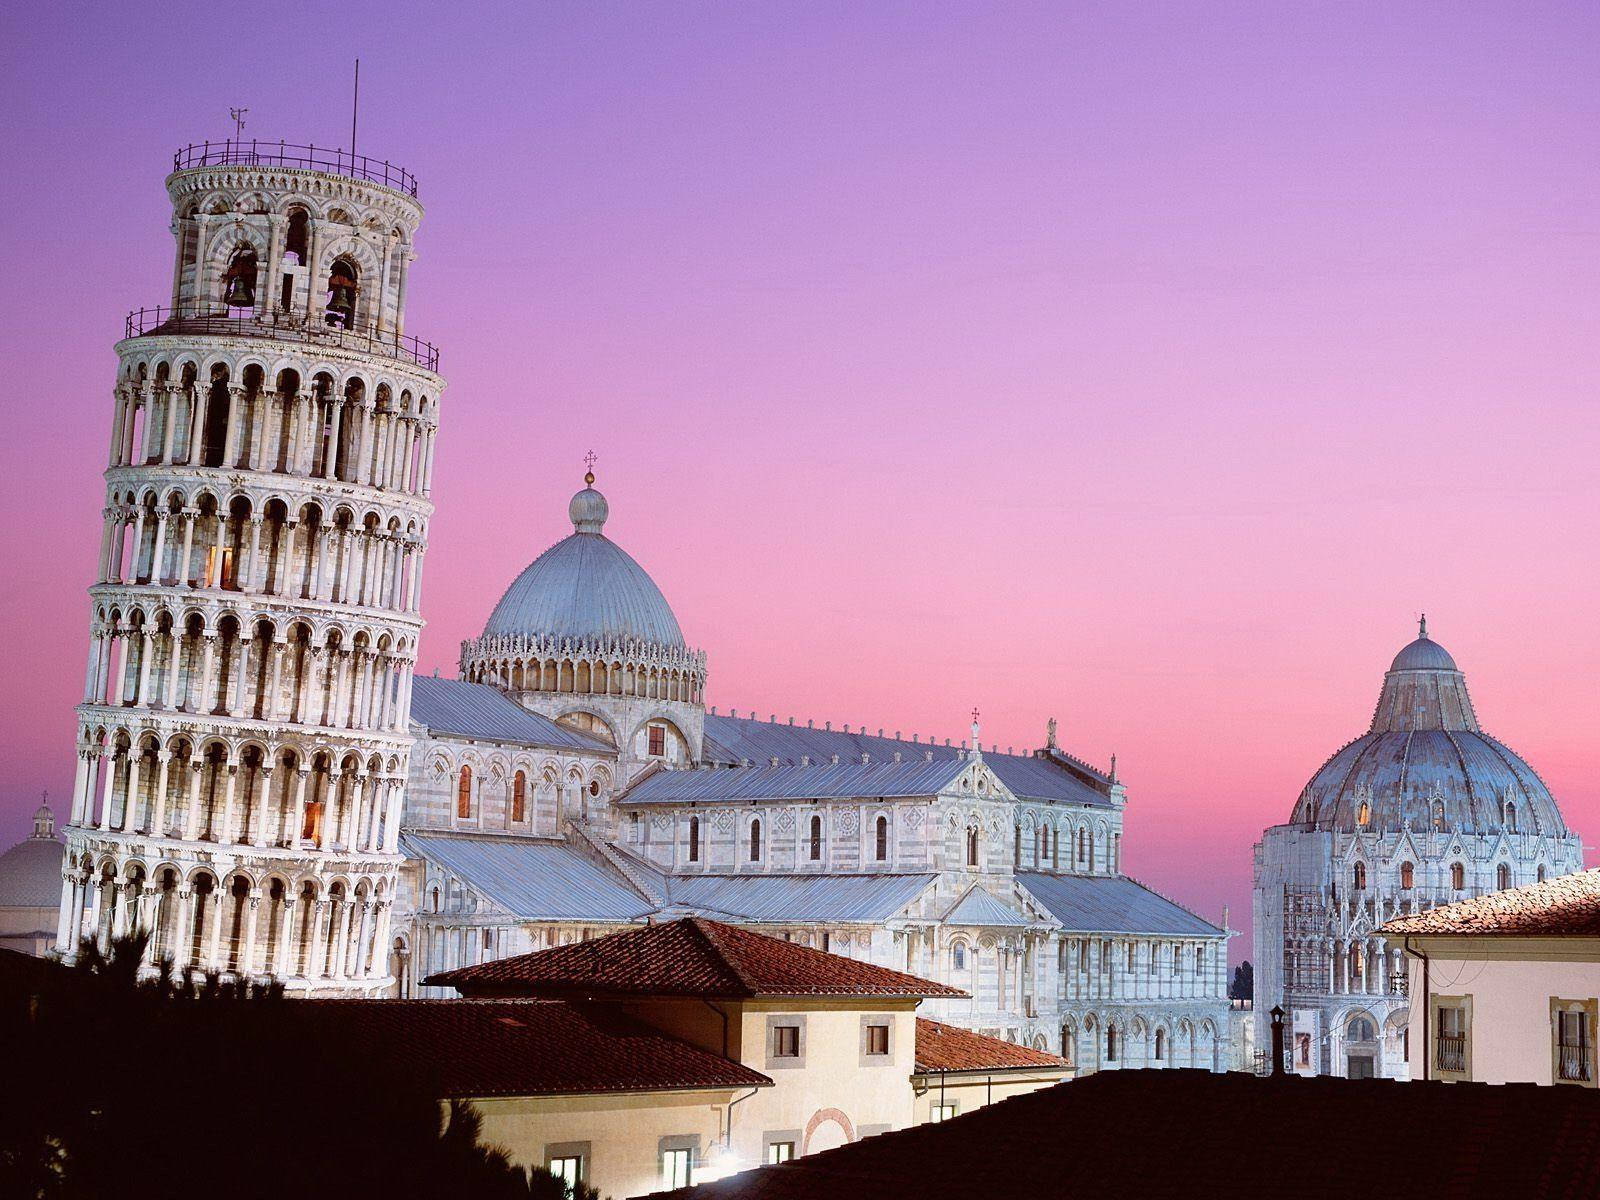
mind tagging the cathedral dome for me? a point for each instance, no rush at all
(586, 587)
(30, 872)
(1425, 763)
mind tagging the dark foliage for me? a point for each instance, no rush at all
(177, 1085)
(1243, 986)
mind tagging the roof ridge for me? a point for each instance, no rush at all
(704, 928)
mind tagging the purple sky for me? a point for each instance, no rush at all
(1146, 366)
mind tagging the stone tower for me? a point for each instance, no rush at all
(242, 741)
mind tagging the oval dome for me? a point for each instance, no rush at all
(585, 586)
(1425, 749)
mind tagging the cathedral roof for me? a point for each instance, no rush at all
(1055, 779)
(691, 957)
(797, 899)
(1424, 748)
(816, 781)
(978, 907)
(586, 587)
(531, 880)
(479, 710)
(1111, 904)
(30, 872)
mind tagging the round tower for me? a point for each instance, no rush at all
(242, 741)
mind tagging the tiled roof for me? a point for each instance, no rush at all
(942, 1047)
(1111, 904)
(1566, 906)
(1184, 1134)
(526, 1047)
(691, 957)
(817, 781)
(533, 880)
(477, 710)
(732, 740)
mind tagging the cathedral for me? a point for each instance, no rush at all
(265, 788)
(1423, 809)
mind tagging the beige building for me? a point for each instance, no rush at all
(1506, 987)
(825, 1051)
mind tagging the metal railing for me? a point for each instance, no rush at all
(1573, 1060)
(281, 326)
(305, 158)
(1450, 1052)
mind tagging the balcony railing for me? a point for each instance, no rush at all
(306, 158)
(1450, 1052)
(1573, 1060)
(281, 326)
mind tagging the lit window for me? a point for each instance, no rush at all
(1358, 876)
(569, 1169)
(1364, 814)
(658, 739)
(786, 1041)
(780, 1152)
(1438, 814)
(519, 794)
(464, 794)
(1502, 877)
(877, 1039)
(941, 1112)
(676, 1169)
(1407, 874)
(1458, 876)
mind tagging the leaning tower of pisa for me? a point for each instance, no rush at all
(242, 740)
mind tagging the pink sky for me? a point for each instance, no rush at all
(1146, 366)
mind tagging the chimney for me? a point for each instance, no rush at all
(1277, 1039)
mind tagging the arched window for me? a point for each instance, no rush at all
(342, 289)
(239, 281)
(436, 899)
(1539, 874)
(1091, 852)
(1502, 877)
(1083, 843)
(755, 840)
(816, 839)
(1361, 1030)
(694, 839)
(298, 235)
(1458, 876)
(1511, 818)
(464, 794)
(519, 797)
(1358, 876)
(1364, 814)
(1111, 1043)
(882, 845)
(1069, 1040)
(972, 847)
(1161, 1044)
(1438, 814)
(1407, 875)
(958, 956)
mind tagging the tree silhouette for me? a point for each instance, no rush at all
(173, 1085)
(1243, 986)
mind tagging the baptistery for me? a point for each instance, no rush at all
(1424, 808)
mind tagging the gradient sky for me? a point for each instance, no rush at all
(1148, 366)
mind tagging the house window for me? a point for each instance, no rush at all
(1358, 876)
(877, 1039)
(1458, 876)
(519, 796)
(1407, 875)
(569, 1169)
(694, 839)
(755, 840)
(786, 1041)
(1574, 1036)
(941, 1112)
(464, 794)
(882, 846)
(1451, 1023)
(658, 739)
(1502, 877)
(677, 1167)
(780, 1152)
(816, 839)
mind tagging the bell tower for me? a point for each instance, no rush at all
(242, 741)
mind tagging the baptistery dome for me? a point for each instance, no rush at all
(1426, 764)
(587, 588)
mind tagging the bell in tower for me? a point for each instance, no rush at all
(239, 284)
(342, 295)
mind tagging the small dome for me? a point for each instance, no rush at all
(1424, 654)
(586, 587)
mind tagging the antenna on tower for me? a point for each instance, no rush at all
(237, 116)
(355, 105)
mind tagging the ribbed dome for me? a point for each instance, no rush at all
(585, 586)
(1425, 746)
(30, 872)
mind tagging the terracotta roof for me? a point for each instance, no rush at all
(691, 957)
(1181, 1134)
(942, 1047)
(527, 1047)
(1566, 906)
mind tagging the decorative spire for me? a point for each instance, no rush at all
(975, 727)
(588, 509)
(589, 460)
